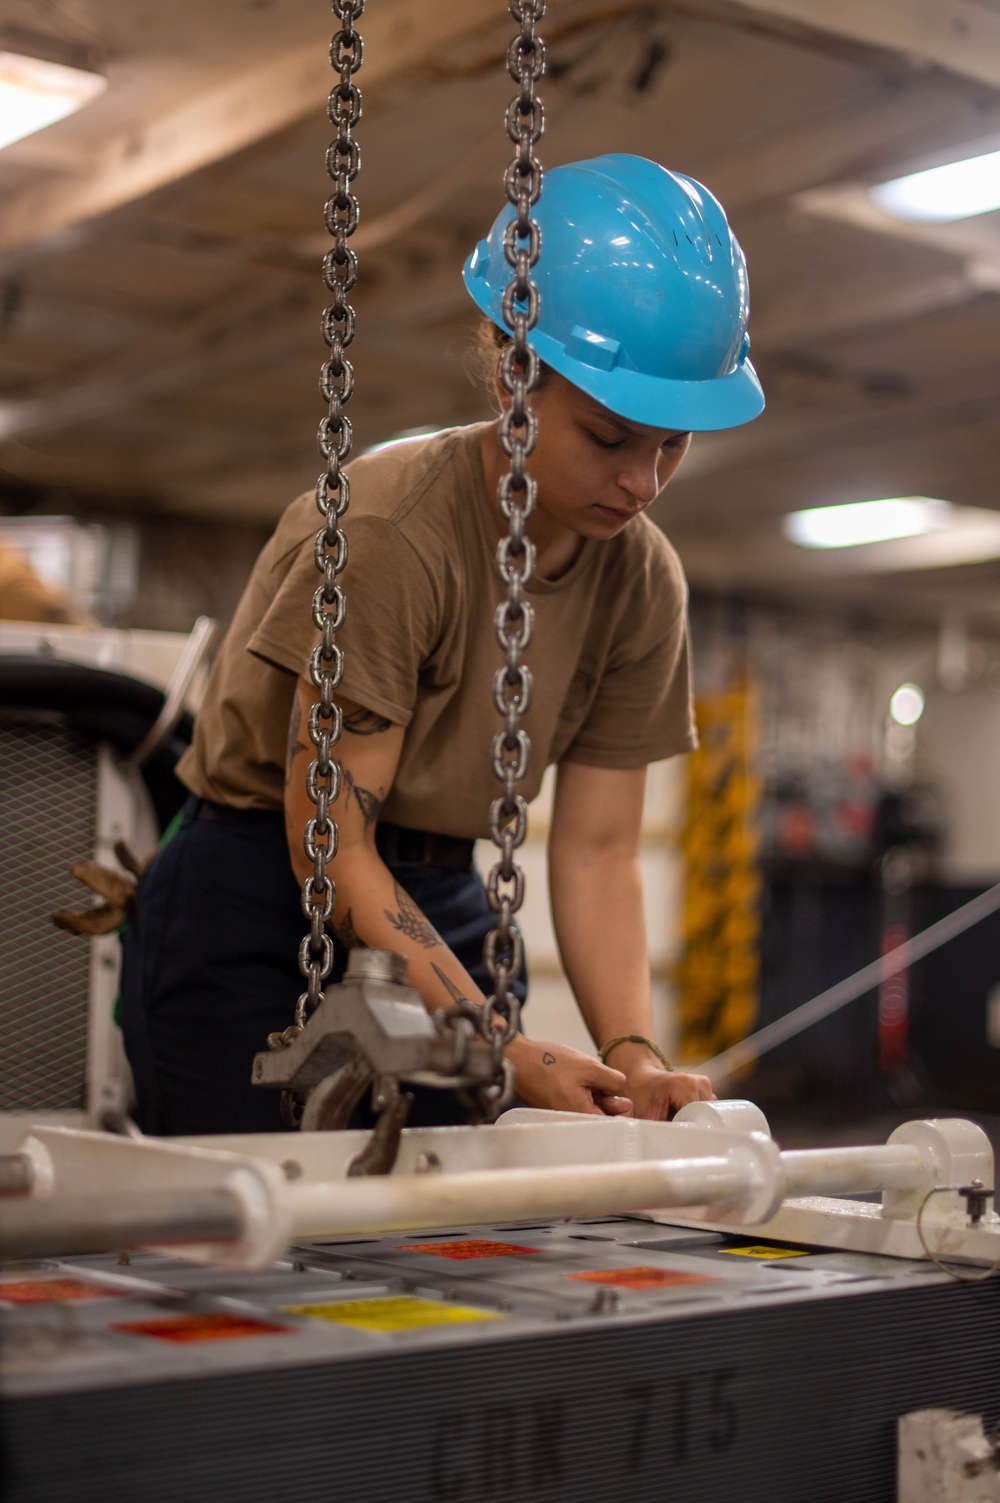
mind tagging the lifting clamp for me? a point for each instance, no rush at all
(373, 1030)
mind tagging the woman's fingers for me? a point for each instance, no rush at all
(688, 1087)
(615, 1106)
(602, 1078)
(557, 1076)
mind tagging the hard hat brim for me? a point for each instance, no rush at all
(688, 406)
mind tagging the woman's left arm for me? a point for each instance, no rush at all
(595, 875)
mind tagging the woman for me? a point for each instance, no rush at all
(642, 334)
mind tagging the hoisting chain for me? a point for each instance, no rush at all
(326, 664)
(515, 557)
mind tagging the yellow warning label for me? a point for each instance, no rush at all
(392, 1313)
(766, 1252)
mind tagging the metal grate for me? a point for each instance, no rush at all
(48, 808)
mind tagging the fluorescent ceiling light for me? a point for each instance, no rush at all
(907, 704)
(34, 94)
(859, 522)
(879, 537)
(956, 191)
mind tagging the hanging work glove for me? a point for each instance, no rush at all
(116, 888)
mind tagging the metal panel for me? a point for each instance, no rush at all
(766, 1395)
(48, 807)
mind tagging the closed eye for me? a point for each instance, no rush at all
(604, 443)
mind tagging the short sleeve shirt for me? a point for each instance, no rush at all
(610, 657)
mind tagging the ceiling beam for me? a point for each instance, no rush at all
(812, 316)
(231, 113)
(229, 339)
(787, 433)
(974, 242)
(960, 37)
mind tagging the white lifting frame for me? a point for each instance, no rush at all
(240, 1202)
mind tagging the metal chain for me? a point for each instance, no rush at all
(515, 557)
(333, 494)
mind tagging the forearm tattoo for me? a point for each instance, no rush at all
(408, 920)
(448, 984)
(294, 744)
(369, 803)
(362, 722)
(347, 934)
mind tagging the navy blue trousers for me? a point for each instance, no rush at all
(210, 968)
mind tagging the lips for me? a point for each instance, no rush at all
(614, 515)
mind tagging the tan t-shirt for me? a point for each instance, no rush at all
(609, 659)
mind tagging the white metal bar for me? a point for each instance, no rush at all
(840, 1171)
(57, 1226)
(398, 1203)
(190, 660)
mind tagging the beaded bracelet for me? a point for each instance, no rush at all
(634, 1038)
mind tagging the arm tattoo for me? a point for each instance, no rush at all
(448, 984)
(369, 803)
(364, 722)
(294, 744)
(410, 921)
(347, 934)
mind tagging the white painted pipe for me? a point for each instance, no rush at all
(391, 1203)
(62, 1226)
(742, 1179)
(841, 1171)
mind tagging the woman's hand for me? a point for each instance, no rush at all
(657, 1094)
(566, 1080)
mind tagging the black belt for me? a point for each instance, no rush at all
(399, 846)
(396, 845)
(270, 821)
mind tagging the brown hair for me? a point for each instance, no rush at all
(489, 340)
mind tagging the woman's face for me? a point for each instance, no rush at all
(596, 471)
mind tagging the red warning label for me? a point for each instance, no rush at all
(469, 1248)
(54, 1291)
(643, 1278)
(183, 1329)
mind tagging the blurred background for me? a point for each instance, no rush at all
(162, 180)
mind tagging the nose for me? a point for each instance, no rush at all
(640, 480)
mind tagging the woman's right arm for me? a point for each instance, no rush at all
(372, 909)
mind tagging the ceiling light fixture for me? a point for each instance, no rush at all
(858, 522)
(907, 704)
(35, 93)
(957, 190)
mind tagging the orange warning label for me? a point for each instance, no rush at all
(54, 1291)
(470, 1248)
(189, 1328)
(643, 1278)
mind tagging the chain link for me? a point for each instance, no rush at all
(333, 494)
(503, 952)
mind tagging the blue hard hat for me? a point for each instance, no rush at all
(644, 295)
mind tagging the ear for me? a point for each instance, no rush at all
(502, 394)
